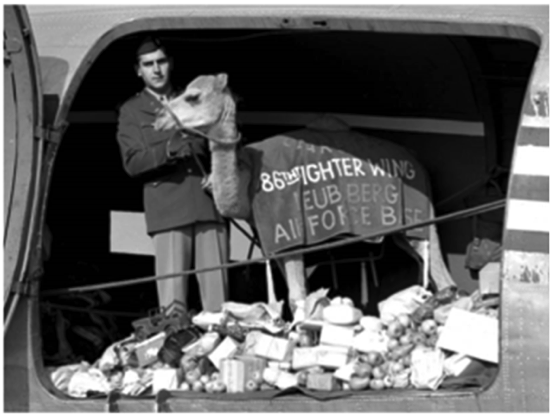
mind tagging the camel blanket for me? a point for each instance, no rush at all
(326, 180)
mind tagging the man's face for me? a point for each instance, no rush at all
(154, 69)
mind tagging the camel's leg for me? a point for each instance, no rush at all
(295, 279)
(438, 270)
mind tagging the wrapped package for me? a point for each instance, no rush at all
(257, 315)
(403, 302)
(62, 376)
(280, 379)
(91, 380)
(427, 365)
(273, 348)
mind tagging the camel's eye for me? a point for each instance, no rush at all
(193, 99)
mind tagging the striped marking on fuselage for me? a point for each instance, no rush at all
(532, 160)
(528, 211)
(528, 215)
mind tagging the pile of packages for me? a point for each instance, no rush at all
(420, 340)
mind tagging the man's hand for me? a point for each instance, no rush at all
(206, 183)
(178, 146)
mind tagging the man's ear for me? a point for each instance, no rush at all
(221, 80)
(136, 68)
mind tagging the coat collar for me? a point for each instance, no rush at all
(328, 122)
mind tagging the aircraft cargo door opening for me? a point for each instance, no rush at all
(352, 140)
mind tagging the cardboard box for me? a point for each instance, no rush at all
(225, 350)
(321, 382)
(232, 374)
(166, 378)
(470, 334)
(337, 335)
(270, 347)
(147, 351)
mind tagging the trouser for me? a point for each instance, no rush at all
(208, 245)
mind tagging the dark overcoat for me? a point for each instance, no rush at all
(172, 191)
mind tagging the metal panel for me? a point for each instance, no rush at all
(23, 111)
(76, 34)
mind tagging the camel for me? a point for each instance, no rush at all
(206, 107)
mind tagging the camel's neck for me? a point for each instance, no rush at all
(229, 183)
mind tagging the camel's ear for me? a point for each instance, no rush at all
(221, 80)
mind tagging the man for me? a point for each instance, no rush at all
(180, 216)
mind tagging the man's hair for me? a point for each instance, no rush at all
(149, 45)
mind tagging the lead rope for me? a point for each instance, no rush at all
(191, 131)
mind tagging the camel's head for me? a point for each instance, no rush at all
(200, 106)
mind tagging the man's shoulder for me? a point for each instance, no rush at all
(134, 101)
